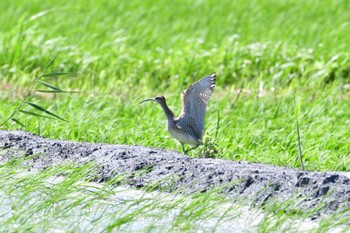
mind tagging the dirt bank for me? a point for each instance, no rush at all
(172, 171)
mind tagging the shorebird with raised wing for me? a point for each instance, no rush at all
(188, 128)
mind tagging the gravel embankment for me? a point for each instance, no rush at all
(172, 171)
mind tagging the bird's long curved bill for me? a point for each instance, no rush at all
(150, 99)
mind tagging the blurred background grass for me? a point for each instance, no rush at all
(290, 57)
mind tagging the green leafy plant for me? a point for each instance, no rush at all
(49, 89)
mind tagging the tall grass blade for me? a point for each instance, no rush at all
(54, 74)
(52, 91)
(34, 114)
(300, 153)
(238, 95)
(44, 110)
(18, 122)
(32, 87)
(50, 86)
(299, 148)
(217, 126)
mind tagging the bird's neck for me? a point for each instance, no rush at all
(168, 113)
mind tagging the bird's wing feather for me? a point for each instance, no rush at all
(194, 103)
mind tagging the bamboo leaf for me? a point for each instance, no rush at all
(18, 122)
(32, 87)
(50, 86)
(34, 114)
(44, 110)
(54, 74)
(49, 91)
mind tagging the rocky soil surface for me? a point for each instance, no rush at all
(170, 171)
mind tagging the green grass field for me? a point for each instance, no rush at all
(292, 60)
(277, 63)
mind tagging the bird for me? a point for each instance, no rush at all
(188, 127)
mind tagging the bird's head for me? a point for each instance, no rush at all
(158, 99)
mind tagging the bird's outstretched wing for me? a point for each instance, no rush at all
(194, 104)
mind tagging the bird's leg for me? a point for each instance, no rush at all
(186, 151)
